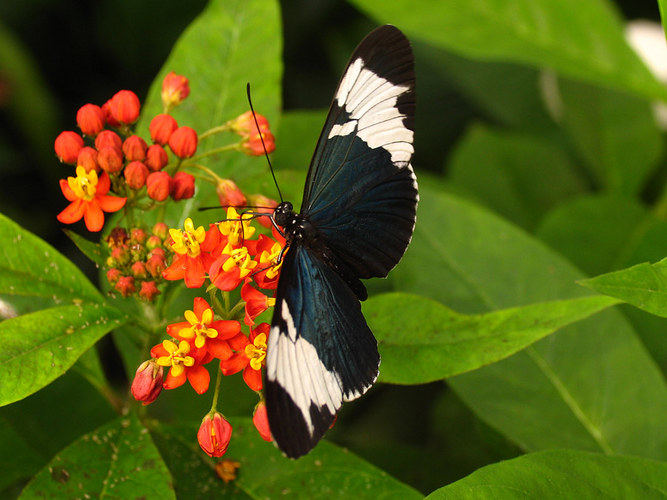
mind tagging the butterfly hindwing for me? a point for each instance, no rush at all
(320, 352)
(361, 191)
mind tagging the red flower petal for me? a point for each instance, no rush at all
(67, 191)
(172, 382)
(219, 349)
(103, 184)
(235, 364)
(175, 328)
(93, 216)
(194, 273)
(110, 203)
(199, 378)
(199, 306)
(226, 328)
(253, 378)
(72, 213)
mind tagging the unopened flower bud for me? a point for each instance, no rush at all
(156, 158)
(229, 194)
(155, 265)
(175, 88)
(136, 174)
(158, 185)
(214, 435)
(263, 204)
(125, 107)
(148, 291)
(108, 138)
(67, 146)
(113, 274)
(183, 142)
(245, 125)
(88, 159)
(134, 148)
(183, 186)
(153, 242)
(147, 383)
(253, 145)
(161, 128)
(161, 230)
(125, 285)
(139, 269)
(106, 108)
(110, 159)
(261, 421)
(138, 235)
(90, 119)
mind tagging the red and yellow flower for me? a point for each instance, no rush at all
(185, 363)
(192, 257)
(88, 196)
(250, 356)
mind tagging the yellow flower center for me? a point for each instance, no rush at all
(199, 328)
(236, 227)
(177, 358)
(257, 351)
(84, 184)
(272, 258)
(240, 258)
(188, 240)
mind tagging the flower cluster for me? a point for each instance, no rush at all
(227, 255)
(117, 170)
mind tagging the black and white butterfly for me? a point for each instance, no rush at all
(356, 221)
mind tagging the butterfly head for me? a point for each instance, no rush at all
(283, 213)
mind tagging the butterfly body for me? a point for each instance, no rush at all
(356, 221)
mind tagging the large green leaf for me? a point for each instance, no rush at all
(30, 266)
(41, 346)
(232, 43)
(643, 286)
(589, 386)
(118, 460)
(500, 169)
(421, 340)
(614, 132)
(560, 474)
(583, 40)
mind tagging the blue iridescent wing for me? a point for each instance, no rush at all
(320, 352)
(361, 191)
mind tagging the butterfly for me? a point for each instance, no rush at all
(356, 220)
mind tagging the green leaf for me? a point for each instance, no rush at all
(90, 249)
(118, 460)
(22, 462)
(563, 474)
(41, 346)
(615, 133)
(644, 286)
(500, 168)
(30, 266)
(231, 43)
(421, 340)
(583, 40)
(590, 386)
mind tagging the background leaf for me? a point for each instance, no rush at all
(30, 266)
(588, 46)
(118, 460)
(590, 386)
(563, 474)
(41, 346)
(421, 340)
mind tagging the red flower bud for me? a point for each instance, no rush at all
(265, 205)
(147, 383)
(214, 435)
(245, 125)
(108, 138)
(155, 265)
(229, 194)
(138, 235)
(161, 128)
(161, 230)
(156, 158)
(90, 119)
(106, 108)
(148, 291)
(134, 148)
(110, 159)
(120, 255)
(125, 285)
(183, 142)
(153, 242)
(88, 159)
(113, 274)
(138, 269)
(252, 145)
(183, 186)
(125, 107)
(118, 237)
(159, 185)
(136, 174)
(67, 146)
(175, 88)
(261, 421)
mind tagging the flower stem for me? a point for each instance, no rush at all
(218, 381)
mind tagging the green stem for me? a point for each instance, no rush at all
(215, 151)
(215, 130)
(216, 393)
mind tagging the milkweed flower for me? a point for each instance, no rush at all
(88, 196)
(185, 363)
(192, 257)
(250, 356)
(147, 383)
(261, 421)
(255, 303)
(175, 88)
(214, 434)
(229, 270)
(206, 332)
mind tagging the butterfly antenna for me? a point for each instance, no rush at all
(261, 138)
